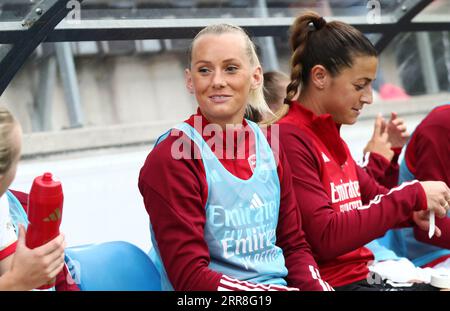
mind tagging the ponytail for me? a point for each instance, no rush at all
(313, 42)
(301, 31)
(333, 45)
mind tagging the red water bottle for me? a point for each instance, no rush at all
(45, 203)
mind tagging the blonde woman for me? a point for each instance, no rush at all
(222, 213)
(21, 268)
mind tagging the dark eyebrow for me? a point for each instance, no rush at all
(366, 80)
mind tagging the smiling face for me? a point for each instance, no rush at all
(350, 90)
(221, 76)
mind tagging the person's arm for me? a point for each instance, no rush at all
(380, 159)
(332, 233)
(175, 194)
(432, 153)
(442, 241)
(432, 150)
(31, 268)
(64, 281)
(373, 188)
(8, 237)
(303, 272)
(383, 171)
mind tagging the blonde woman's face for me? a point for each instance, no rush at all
(16, 143)
(221, 77)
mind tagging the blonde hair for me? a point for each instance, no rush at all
(257, 103)
(7, 153)
(277, 115)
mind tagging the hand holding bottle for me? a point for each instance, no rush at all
(45, 203)
(32, 268)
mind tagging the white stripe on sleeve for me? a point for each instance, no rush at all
(227, 283)
(377, 198)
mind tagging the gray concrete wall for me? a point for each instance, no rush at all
(113, 90)
(131, 100)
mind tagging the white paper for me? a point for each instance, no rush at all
(432, 225)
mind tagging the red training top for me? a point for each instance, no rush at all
(427, 156)
(175, 193)
(342, 207)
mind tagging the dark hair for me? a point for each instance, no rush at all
(253, 115)
(315, 42)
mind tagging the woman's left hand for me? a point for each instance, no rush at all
(398, 134)
(379, 142)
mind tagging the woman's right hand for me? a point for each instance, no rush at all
(32, 268)
(438, 200)
(438, 197)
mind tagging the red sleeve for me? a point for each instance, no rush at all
(64, 281)
(8, 251)
(442, 241)
(397, 152)
(384, 172)
(302, 268)
(369, 187)
(22, 197)
(432, 153)
(331, 233)
(432, 150)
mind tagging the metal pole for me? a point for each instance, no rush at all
(427, 62)
(70, 83)
(42, 119)
(269, 53)
(446, 43)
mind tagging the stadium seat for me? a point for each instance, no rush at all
(109, 266)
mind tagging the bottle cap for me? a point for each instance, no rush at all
(46, 185)
(47, 177)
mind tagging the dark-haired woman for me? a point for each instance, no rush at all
(342, 207)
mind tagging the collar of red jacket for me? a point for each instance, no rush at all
(205, 121)
(240, 135)
(323, 127)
